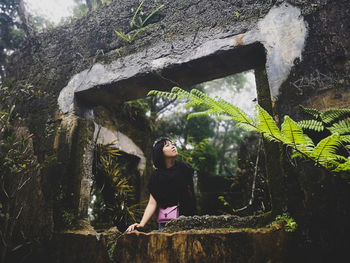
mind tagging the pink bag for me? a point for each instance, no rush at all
(167, 214)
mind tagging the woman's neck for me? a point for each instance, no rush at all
(169, 162)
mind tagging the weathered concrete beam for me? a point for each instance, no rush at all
(280, 34)
(120, 141)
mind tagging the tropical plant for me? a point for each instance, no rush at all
(12, 33)
(333, 120)
(128, 37)
(289, 223)
(136, 22)
(324, 154)
(18, 167)
(112, 190)
(139, 22)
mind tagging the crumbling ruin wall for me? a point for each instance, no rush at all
(321, 78)
(83, 64)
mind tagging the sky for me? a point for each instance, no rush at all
(52, 10)
(244, 99)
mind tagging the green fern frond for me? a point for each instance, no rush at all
(193, 98)
(311, 125)
(298, 154)
(237, 114)
(217, 106)
(345, 138)
(310, 111)
(163, 94)
(340, 158)
(268, 126)
(341, 127)
(293, 136)
(332, 115)
(221, 106)
(326, 149)
(209, 112)
(344, 168)
(211, 103)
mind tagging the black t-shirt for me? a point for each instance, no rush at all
(172, 186)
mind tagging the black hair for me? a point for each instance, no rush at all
(157, 153)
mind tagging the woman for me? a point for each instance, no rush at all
(171, 184)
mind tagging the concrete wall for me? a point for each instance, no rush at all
(303, 45)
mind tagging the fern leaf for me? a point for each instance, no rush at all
(209, 112)
(293, 136)
(345, 138)
(163, 94)
(343, 167)
(311, 125)
(298, 154)
(341, 127)
(310, 111)
(325, 150)
(332, 115)
(268, 126)
(212, 103)
(218, 106)
(236, 113)
(180, 93)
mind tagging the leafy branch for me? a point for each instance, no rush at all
(291, 134)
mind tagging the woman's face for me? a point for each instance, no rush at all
(169, 150)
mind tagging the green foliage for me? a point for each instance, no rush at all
(311, 125)
(335, 121)
(136, 22)
(313, 113)
(324, 153)
(21, 93)
(290, 224)
(202, 157)
(12, 33)
(237, 14)
(128, 37)
(112, 190)
(18, 166)
(332, 115)
(268, 127)
(69, 219)
(342, 127)
(327, 117)
(326, 149)
(225, 203)
(293, 135)
(111, 251)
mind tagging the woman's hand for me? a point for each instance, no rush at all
(149, 211)
(133, 226)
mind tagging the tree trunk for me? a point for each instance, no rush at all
(273, 153)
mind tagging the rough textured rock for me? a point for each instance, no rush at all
(77, 247)
(159, 67)
(321, 79)
(211, 222)
(83, 64)
(249, 245)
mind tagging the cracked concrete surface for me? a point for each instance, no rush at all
(282, 32)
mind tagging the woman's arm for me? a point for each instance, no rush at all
(149, 211)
